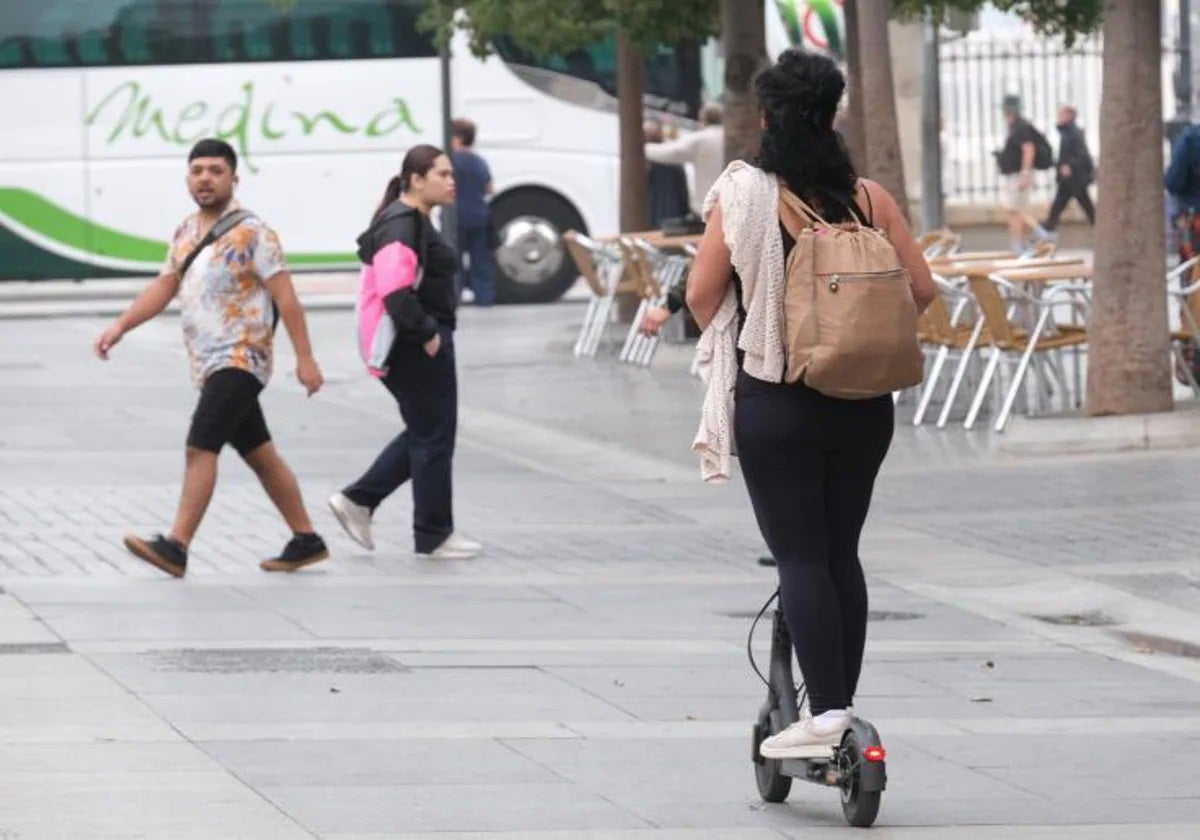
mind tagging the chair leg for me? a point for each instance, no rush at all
(603, 316)
(585, 328)
(1019, 375)
(960, 373)
(931, 383)
(984, 384)
(634, 331)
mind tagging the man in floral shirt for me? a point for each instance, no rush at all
(231, 286)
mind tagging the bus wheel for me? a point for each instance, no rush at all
(532, 263)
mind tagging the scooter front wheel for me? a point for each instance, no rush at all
(773, 785)
(860, 807)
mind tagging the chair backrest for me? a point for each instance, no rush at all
(939, 242)
(994, 311)
(934, 324)
(638, 268)
(585, 260)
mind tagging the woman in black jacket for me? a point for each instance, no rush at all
(406, 320)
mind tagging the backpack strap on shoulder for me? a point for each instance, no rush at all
(793, 208)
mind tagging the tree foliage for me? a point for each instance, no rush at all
(1069, 19)
(564, 25)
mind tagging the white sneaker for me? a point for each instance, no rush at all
(355, 519)
(453, 548)
(808, 737)
(456, 543)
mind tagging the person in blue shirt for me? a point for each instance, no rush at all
(1183, 188)
(474, 181)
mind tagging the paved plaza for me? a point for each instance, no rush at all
(1032, 660)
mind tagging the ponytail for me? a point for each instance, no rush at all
(394, 188)
(419, 160)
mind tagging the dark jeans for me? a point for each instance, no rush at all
(427, 392)
(474, 242)
(810, 463)
(1067, 190)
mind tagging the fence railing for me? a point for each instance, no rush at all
(976, 75)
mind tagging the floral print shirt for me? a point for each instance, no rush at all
(228, 313)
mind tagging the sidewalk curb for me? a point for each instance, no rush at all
(1077, 434)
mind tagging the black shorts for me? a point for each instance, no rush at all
(228, 412)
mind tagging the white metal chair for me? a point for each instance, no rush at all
(998, 300)
(669, 273)
(602, 268)
(1186, 297)
(942, 327)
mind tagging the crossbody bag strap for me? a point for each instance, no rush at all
(223, 226)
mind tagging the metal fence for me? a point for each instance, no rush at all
(977, 74)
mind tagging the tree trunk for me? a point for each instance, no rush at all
(744, 37)
(635, 206)
(1128, 370)
(884, 163)
(854, 127)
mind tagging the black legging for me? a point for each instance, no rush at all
(810, 463)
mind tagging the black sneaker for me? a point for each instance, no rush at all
(302, 550)
(163, 552)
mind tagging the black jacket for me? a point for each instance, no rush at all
(416, 313)
(1073, 152)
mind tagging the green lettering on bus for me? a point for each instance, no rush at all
(192, 111)
(132, 113)
(400, 113)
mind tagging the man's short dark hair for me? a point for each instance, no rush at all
(464, 130)
(211, 147)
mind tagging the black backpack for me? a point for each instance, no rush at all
(1043, 157)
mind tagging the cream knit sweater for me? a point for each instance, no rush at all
(749, 200)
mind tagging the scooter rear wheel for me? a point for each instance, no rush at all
(773, 785)
(860, 807)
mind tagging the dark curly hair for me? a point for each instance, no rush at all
(799, 97)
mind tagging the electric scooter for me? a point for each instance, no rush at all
(856, 766)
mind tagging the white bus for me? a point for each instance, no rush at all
(101, 99)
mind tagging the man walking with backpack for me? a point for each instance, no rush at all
(1025, 149)
(1075, 172)
(228, 269)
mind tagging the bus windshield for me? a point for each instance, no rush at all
(672, 72)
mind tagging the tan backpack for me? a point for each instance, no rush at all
(850, 321)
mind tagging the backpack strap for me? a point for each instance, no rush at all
(794, 206)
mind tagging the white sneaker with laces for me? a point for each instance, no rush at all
(453, 548)
(354, 519)
(809, 737)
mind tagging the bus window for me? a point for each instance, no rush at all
(672, 73)
(96, 33)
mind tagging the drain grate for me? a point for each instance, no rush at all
(892, 615)
(1090, 618)
(276, 661)
(21, 648)
(1161, 644)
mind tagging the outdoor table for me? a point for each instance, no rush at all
(985, 268)
(972, 256)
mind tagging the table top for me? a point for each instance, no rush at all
(658, 239)
(972, 256)
(1048, 273)
(985, 268)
